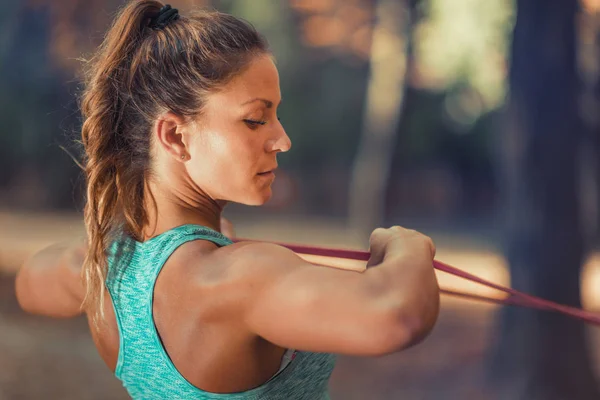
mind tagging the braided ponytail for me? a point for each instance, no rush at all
(108, 167)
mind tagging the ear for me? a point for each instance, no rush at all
(168, 131)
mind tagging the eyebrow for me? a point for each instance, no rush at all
(268, 103)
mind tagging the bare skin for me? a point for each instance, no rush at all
(226, 315)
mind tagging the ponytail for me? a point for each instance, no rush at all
(115, 188)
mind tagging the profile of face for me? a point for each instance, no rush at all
(231, 148)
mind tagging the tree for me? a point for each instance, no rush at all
(383, 107)
(543, 355)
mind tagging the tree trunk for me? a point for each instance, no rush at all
(383, 105)
(541, 355)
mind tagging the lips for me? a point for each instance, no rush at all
(267, 172)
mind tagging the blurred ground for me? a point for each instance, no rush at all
(42, 358)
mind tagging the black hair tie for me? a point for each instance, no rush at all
(164, 17)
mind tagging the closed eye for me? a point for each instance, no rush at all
(254, 123)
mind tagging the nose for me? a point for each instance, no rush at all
(280, 142)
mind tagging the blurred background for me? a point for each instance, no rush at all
(473, 121)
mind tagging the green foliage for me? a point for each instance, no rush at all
(465, 40)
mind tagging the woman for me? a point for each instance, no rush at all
(180, 118)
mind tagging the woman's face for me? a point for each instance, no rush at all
(233, 145)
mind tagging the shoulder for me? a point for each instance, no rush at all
(255, 261)
(222, 278)
(238, 261)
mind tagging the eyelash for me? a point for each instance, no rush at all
(255, 123)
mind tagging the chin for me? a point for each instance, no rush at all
(261, 197)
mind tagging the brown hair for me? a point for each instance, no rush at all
(137, 72)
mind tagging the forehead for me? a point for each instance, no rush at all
(259, 79)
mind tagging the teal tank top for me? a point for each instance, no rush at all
(144, 366)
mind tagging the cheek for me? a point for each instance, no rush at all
(221, 164)
(235, 154)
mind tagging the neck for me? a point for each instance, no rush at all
(167, 210)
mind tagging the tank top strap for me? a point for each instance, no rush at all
(161, 247)
(186, 233)
(151, 255)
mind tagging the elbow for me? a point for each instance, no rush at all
(407, 326)
(421, 324)
(21, 291)
(42, 288)
(32, 303)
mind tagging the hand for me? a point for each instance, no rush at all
(396, 238)
(227, 228)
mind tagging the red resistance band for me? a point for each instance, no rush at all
(515, 297)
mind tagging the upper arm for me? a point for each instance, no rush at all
(295, 304)
(49, 283)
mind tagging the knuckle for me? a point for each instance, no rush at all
(377, 232)
(430, 244)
